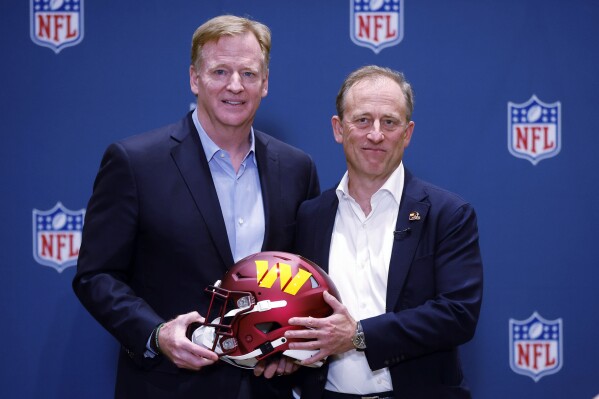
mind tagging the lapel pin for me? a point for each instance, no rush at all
(414, 216)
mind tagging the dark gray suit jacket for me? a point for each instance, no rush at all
(154, 238)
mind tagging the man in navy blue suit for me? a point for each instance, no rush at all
(174, 208)
(404, 255)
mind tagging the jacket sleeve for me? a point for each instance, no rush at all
(440, 301)
(106, 259)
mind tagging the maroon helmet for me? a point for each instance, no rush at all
(250, 308)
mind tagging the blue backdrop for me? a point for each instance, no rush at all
(78, 75)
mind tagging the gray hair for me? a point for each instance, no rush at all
(375, 72)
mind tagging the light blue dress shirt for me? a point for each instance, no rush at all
(240, 197)
(239, 194)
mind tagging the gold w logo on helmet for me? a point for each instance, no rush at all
(266, 276)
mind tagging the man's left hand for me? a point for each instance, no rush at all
(329, 335)
(275, 366)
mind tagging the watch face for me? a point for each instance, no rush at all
(358, 341)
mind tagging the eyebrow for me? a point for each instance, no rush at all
(368, 114)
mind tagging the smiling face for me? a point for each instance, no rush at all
(374, 130)
(229, 82)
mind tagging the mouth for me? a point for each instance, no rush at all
(375, 150)
(231, 102)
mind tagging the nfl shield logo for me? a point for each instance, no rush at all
(534, 129)
(56, 23)
(536, 346)
(57, 236)
(376, 24)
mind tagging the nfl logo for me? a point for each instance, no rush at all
(57, 236)
(376, 24)
(536, 346)
(56, 24)
(534, 129)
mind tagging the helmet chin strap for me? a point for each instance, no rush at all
(205, 336)
(249, 361)
(261, 306)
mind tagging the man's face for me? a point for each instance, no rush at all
(229, 83)
(374, 131)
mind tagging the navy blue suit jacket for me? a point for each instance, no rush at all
(154, 238)
(433, 295)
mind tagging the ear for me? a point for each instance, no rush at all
(193, 80)
(337, 129)
(265, 84)
(407, 136)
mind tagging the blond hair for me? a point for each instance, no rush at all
(229, 25)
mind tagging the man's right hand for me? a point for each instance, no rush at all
(175, 345)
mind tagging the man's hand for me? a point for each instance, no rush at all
(175, 345)
(330, 335)
(272, 366)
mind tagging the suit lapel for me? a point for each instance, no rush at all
(190, 159)
(270, 182)
(408, 231)
(324, 221)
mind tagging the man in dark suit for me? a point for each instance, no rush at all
(174, 208)
(403, 253)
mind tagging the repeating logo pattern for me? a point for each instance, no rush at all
(57, 236)
(56, 24)
(376, 24)
(536, 348)
(266, 276)
(534, 129)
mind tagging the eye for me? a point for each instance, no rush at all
(219, 72)
(249, 74)
(390, 124)
(362, 122)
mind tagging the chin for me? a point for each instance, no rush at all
(238, 117)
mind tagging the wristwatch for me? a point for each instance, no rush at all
(359, 340)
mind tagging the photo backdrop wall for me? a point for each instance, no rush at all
(506, 115)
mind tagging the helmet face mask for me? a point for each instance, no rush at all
(250, 308)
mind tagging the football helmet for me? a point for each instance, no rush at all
(250, 308)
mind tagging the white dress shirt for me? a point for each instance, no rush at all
(359, 266)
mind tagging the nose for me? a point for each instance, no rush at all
(376, 135)
(235, 83)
